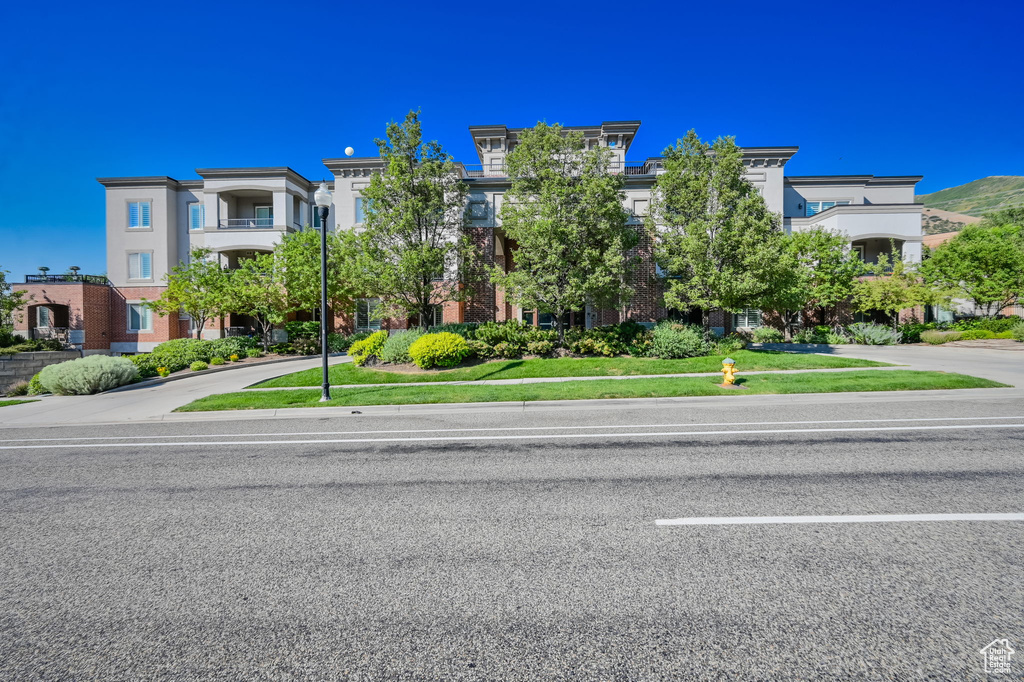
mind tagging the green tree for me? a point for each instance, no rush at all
(892, 285)
(199, 288)
(257, 288)
(10, 301)
(414, 249)
(715, 238)
(816, 269)
(983, 263)
(299, 256)
(565, 211)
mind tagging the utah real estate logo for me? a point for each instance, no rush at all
(997, 656)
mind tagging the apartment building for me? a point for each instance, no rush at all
(154, 222)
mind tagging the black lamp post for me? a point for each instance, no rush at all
(323, 199)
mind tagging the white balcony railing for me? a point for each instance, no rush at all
(245, 224)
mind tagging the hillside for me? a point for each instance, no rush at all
(978, 197)
(937, 221)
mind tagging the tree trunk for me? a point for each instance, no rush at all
(705, 321)
(560, 327)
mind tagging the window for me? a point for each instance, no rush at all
(814, 207)
(365, 307)
(140, 265)
(196, 215)
(316, 215)
(264, 216)
(140, 318)
(640, 207)
(360, 211)
(436, 315)
(43, 317)
(138, 215)
(749, 318)
(859, 251)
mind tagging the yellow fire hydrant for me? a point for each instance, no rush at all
(728, 372)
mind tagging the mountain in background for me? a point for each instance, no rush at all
(948, 210)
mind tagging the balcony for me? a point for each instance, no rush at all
(245, 224)
(67, 279)
(497, 170)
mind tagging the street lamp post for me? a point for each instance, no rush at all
(323, 201)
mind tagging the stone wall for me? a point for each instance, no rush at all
(23, 366)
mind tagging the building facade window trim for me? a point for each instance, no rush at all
(139, 317)
(140, 266)
(748, 318)
(140, 214)
(365, 308)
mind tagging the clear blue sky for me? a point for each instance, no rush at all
(113, 89)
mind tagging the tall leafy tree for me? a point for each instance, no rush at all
(415, 250)
(892, 286)
(199, 288)
(983, 263)
(816, 269)
(258, 289)
(11, 300)
(715, 238)
(299, 256)
(565, 211)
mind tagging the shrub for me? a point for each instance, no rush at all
(591, 345)
(396, 347)
(466, 330)
(282, 349)
(481, 349)
(873, 334)
(233, 357)
(512, 332)
(35, 386)
(508, 350)
(1004, 335)
(540, 347)
(767, 335)
(9, 338)
(216, 360)
(302, 330)
(369, 348)
(163, 372)
(672, 341)
(936, 337)
(254, 353)
(20, 388)
(729, 344)
(974, 334)
(148, 365)
(1017, 331)
(992, 324)
(232, 345)
(30, 346)
(443, 349)
(304, 346)
(198, 366)
(911, 331)
(88, 375)
(337, 343)
(178, 354)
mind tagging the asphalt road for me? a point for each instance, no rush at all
(377, 548)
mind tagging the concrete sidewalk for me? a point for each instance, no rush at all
(148, 402)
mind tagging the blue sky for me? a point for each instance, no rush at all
(114, 89)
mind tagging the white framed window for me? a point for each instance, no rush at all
(749, 318)
(196, 215)
(365, 308)
(43, 317)
(139, 215)
(264, 216)
(140, 318)
(360, 210)
(140, 265)
(815, 207)
(436, 315)
(316, 215)
(858, 251)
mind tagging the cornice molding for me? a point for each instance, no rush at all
(141, 181)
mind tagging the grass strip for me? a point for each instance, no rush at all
(6, 403)
(889, 380)
(746, 360)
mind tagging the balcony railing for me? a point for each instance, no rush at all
(66, 279)
(485, 170)
(245, 224)
(497, 170)
(62, 334)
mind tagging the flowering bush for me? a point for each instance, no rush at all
(441, 350)
(163, 371)
(233, 357)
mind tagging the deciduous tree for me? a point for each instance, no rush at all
(892, 286)
(257, 288)
(414, 248)
(298, 254)
(565, 211)
(199, 288)
(10, 300)
(715, 239)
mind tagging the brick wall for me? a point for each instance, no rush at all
(164, 328)
(87, 310)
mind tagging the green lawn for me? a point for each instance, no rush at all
(868, 380)
(5, 403)
(746, 360)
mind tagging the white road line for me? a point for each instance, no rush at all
(873, 518)
(538, 436)
(505, 428)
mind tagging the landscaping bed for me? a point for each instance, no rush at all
(811, 382)
(529, 368)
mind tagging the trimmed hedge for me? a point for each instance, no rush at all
(369, 348)
(443, 349)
